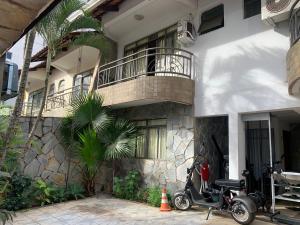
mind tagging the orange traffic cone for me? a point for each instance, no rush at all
(164, 201)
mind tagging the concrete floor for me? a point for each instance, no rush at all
(106, 210)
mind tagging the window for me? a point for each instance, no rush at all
(151, 60)
(81, 82)
(211, 20)
(251, 8)
(61, 86)
(152, 143)
(51, 90)
(34, 100)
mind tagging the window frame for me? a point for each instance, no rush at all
(244, 9)
(50, 87)
(207, 12)
(59, 86)
(142, 42)
(147, 128)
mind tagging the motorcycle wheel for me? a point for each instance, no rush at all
(182, 202)
(241, 214)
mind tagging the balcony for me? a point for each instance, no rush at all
(149, 76)
(56, 104)
(293, 56)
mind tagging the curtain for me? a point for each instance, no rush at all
(140, 145)
(152, 143)
(162, 143)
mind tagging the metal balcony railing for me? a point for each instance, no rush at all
(148, 62)
(294, 23)
(64, 98)
(30, 109)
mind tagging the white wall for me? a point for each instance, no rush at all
(240, 68)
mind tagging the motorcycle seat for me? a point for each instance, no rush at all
(233, 184)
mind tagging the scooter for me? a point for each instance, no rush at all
(220, 197)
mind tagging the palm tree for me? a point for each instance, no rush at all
(16, 113)
(100, 135)
(53, 28)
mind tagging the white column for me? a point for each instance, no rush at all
(237, 152)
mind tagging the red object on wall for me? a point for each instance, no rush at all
(205, 171)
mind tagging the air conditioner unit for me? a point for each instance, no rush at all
(274, 11)
(186, 32)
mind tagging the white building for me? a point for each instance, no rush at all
(223, 84)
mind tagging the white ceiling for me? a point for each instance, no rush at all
(155, 12)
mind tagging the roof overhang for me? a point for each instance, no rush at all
(19, 16)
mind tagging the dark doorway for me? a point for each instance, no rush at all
(213, 133)
(286, 138)
(258, 155)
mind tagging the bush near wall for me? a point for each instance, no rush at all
(130, 188)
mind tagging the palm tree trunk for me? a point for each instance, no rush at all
(95, 73)
(21, 92)
(39, 116)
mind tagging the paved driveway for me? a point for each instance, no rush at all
(106, 210)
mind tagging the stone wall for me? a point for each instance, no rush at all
(180, 144)
(47, 158)
(204, 129)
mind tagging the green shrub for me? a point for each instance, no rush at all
(142, 194)
(17, 196)
(118, 188)
(75, 191)
(154, 196)
(44, 192)
(131, 186)
(128, 187)
(58, 194)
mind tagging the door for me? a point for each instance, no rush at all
(258, 155)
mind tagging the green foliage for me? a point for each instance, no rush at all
(75, 191)
(154, 196)
(128, 187)
(17, 195)
(43, 192)
(132, 181)
(11, 161)
(142, 194)
(100, 135)
(55, 25)
(118, 187)
(6, 216)
(58, 194)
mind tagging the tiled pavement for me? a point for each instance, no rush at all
(106, 210)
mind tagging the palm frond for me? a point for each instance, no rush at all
(119, 139)
(91, 149)
(56, 24)
(88, 110)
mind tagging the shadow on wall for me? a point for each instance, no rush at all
(247, 79)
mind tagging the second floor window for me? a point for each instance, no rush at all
(51, 90)
(61, 86)
(251, 8)
(211, 20)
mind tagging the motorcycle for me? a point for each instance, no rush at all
(220, 197)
